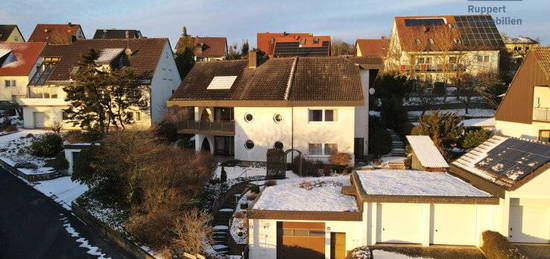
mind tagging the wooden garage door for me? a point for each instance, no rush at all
(454, 224)
(399, 223)
(529, 223)
(300, 240)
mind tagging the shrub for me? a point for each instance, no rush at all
(496, 246)
(340, 158)
(379, 138)
(309, 168)
(474, 138)
(444, 129)
(10, 128)
(47, 145)
(77, 136)
(254, 188)
(168, 131)
(25, 165)
(59, 162)
(223, 175)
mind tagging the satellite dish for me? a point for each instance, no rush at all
(371, 91)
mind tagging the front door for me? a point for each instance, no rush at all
(359, 147)
(337, 245)
(39, 119)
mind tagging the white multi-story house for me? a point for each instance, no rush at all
(438, 48)
(243, 108)
(45, 98)
(18, 63)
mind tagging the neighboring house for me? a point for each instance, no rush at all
(57, 34)
(517, 172)
(328, 217)
(293, 44)
(117, 34)
(44, 103)
(377, 48)
(440, 48)
(317, 105)
(425, 155)
(525, 110)
(210, 48)
(18, 63)
(10, 33)
(519, 46)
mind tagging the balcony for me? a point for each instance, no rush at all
(219, 128)
(541, 114)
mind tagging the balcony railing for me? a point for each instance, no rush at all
(226, 128)
(541, 114)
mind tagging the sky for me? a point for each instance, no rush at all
(240, 20)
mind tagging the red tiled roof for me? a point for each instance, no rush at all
(266, 40)
(146, 53)
(210, 46)
(26, 54)
(55, 33)
(372, 47)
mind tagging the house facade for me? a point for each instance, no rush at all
(525, 109)
(19, 61)
(440, 48)
(519, 46)
(10, 33)
(377, 48)
(243, 108)
(45, 100)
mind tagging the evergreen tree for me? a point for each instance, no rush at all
(100, 99)
(245, 48)
(185, 61)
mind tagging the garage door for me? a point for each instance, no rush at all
(454, 224)
(39, 119)
(399, 223)
(300, 240)
(529, 223)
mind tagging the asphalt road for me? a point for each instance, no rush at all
(32, 226)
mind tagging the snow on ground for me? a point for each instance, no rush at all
(62, 190)
(381, 254)
(12, 147)
(416, 183)
(480, 122)
(247, 172)
(459, 112)
(440, 100)
(92, 250)
(392, 159)
(239, 229)
(307, 194)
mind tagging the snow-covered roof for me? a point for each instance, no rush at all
(480, 122)
(426, 152)
(416, 183)
(325, 194)
(107, 55)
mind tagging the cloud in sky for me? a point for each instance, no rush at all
(242, 19)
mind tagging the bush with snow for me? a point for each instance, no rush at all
(47, 145)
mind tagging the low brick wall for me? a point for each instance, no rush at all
(110, 234)
(29, 177)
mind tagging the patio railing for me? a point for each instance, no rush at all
(191, 126)
(541, 114)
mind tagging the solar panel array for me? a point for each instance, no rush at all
(479, 31)
(293, 49)
(515, 158)
(424, 22)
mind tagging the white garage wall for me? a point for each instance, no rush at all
(262, 237)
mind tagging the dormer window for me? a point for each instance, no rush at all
(111, 56)
(6, 57)
(431, 41)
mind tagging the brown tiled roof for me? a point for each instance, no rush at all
(266, 41)
(117, 34)
(210, 46)
(543, 58)
(55, 33)
(144, 58)
(449, 36)
(372, 47)
(312, 79)
(26, 54)
(6, 30)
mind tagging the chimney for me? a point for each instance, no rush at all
(383, 37)
(252, 59)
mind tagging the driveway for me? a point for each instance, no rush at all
(34, 226)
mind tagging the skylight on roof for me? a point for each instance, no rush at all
(6, 57)
(107, 55)
(221, 83)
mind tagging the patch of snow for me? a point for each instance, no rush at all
(381, 254)
(225, 210)
(62, 190)
(416, 183)
(239, 228)
(220, 227)
(92, 250)
(307, 194)
(240, 172)
(219, 247)
(480, 122)
(13, 150)
(460, 112)
(426, 152)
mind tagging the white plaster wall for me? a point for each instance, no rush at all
(165, 81)
(262, 237)
(521, 130)
(52, 114)
(21, 82)
(362, 112)
(262, 130)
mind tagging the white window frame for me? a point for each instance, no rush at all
(10, 83)
(323, 149)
